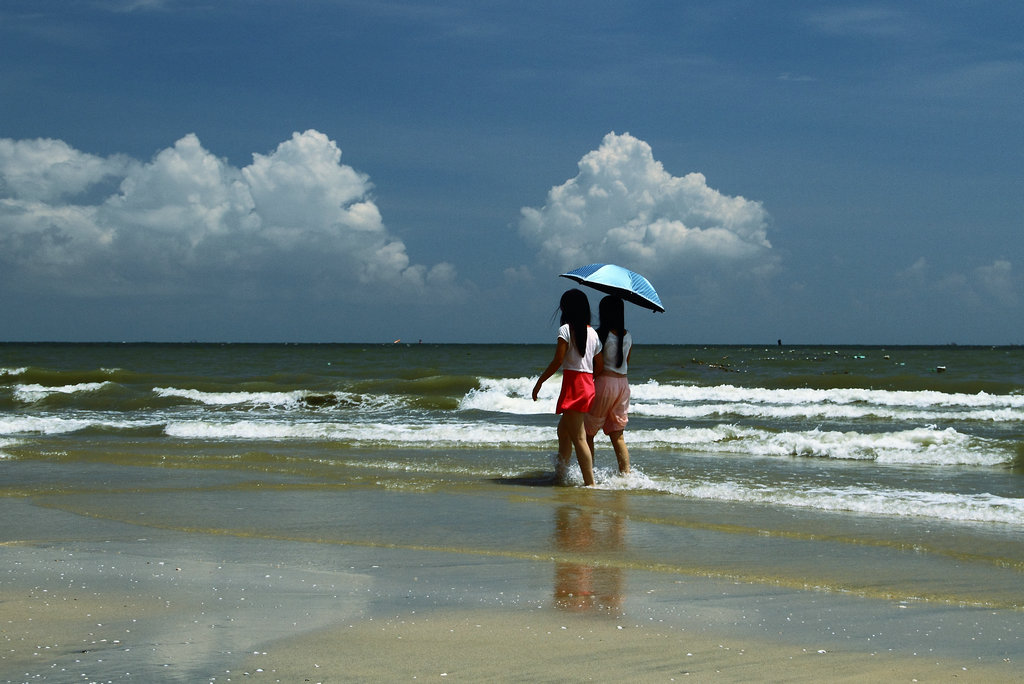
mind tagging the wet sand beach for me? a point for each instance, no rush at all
(211, 576)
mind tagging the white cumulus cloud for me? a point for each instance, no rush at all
(624, 207)
(187, 219)
(47, 170)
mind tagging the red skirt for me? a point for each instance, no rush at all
(577, 392)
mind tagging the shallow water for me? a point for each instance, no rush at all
(864, 471)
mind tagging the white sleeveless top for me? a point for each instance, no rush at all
(611, 348)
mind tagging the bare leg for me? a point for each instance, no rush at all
(621, 452)
(590, 445)
(574, 428)
(564, 448)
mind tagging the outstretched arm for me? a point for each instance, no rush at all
(555, 364)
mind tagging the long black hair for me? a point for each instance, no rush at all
(575, 308)
(613, 317)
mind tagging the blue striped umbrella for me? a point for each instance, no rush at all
(619, 281)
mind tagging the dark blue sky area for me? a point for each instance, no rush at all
(359, 171)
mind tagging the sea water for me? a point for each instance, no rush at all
(794, 466)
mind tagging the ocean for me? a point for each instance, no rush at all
(885, 472)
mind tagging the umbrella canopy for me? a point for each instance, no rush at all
(619, 281)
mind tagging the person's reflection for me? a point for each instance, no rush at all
(582, 586)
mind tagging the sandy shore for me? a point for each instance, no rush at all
(306, 583)
(111, 605)
(545, 647)
(186, 633)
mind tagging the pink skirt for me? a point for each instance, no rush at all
(577, 392)
(610, 410)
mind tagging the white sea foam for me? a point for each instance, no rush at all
(986, 508)
(611, 478)
(286, 400)
(653, 399)
(33, 393)
(40, 425)
(834, 412)
(919, 446)
(12, 371)
(379, 434)
(232, 398)
(894, 502)
(512, 395)
(654, 392)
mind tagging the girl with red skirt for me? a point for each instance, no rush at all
(577, 354)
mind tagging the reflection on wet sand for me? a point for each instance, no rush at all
(582, 586)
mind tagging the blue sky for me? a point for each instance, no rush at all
(330, 170)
